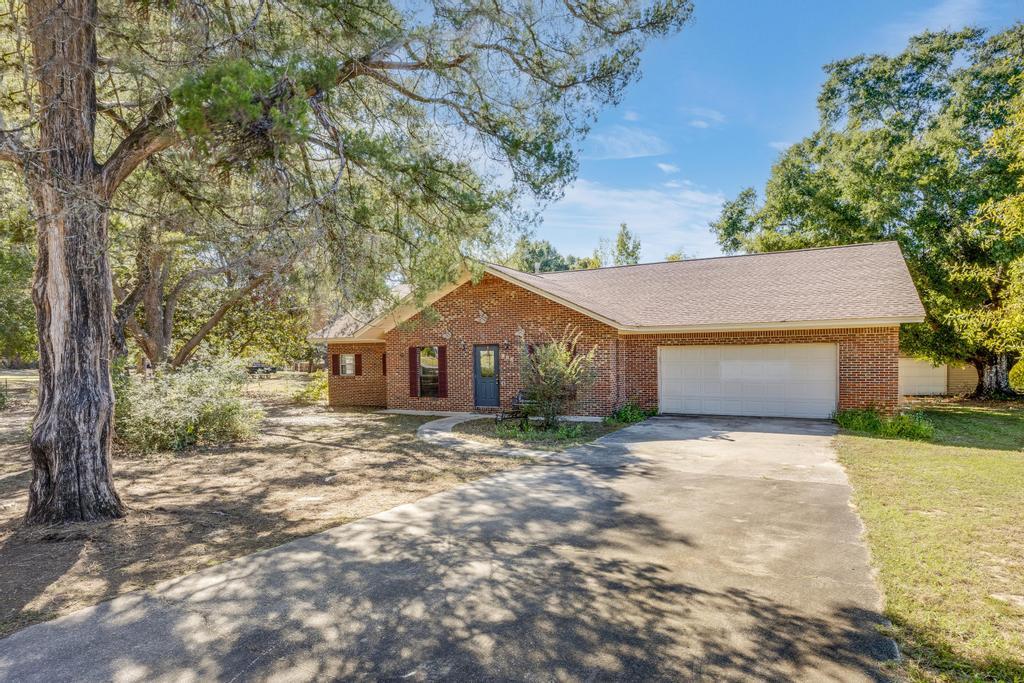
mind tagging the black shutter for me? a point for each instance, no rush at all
(414, 371)
(442, 372)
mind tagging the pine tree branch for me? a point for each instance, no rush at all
(153, 134)
(12, 149)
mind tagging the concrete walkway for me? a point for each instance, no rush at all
(677, 549)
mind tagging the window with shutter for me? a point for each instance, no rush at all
(345, 364)
(429, 375)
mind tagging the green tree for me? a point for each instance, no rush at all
(17, 316)
(595, 260)
(627, 248)
(536, 256)
(353, 118)
(909, 149)
(677, 255)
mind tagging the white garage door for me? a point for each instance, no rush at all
(921, 378)
(771, 380)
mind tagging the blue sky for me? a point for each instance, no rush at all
(715, 105)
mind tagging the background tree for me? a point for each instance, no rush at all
(536, 256)
(357, 119)
(627, 248)
(17, 316)
(677, 255)
(531, 255)
(909, 150)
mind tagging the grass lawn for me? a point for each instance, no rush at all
(507, 434)
(310, 469)
(945, 522)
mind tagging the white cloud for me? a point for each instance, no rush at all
(667, 168)
(946, 14)
(664, 217)
(625, 142)
(631, 115)
(704, 117)
(780, 145)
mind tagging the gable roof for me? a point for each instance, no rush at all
(863, 282)
(352, 321)
(855, 285)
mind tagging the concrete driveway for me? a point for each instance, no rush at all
(678, 549)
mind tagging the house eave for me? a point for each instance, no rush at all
(345, 340)
(771, 325)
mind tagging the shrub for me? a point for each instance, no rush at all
(315, 389)
(900, 426)
(175, 410)
(5, 396)
(553, 373)
(629, 413)
(527, 431)
(1017, 377)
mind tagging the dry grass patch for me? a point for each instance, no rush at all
(310, 469)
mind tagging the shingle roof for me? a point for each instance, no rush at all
(856, 282)
(349, 322)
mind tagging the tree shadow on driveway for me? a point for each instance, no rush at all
(536, 573)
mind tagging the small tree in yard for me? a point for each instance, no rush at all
(552, 373)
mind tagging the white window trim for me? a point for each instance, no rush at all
(346, 365)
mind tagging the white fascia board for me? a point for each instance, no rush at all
(783, 325)
(375, 330)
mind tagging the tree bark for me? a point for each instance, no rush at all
(993, 376)
(71, 435)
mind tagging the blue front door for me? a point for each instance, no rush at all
(486, 375)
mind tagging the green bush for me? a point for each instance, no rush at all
(1017, 377)
(900, 426)
(315, 389)
(553, 373)
(528, 431)
(175, 410)
(5, 396)
(629, 413)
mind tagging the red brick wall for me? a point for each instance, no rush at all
(366, 389)
(868, 361)
(494, 311)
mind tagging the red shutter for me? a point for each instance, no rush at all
(334, 364)
(442, 372)
(384, 364)
(359, 363)
(414, 371)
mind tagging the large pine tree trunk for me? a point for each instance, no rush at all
(71, 435)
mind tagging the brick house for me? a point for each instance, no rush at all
(792, 334)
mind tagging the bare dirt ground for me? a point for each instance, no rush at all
(311, 468)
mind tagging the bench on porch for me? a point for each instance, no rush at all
(516, 409)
